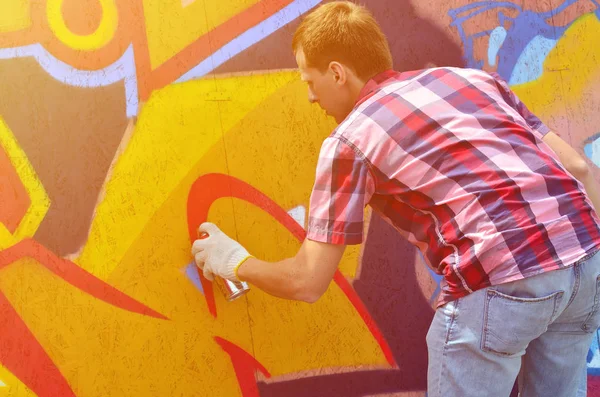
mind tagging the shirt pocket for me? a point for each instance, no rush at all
(511, 322)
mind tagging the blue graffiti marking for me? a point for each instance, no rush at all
(191, 272)
(465, 13)
(530, 64)
(497, 37)
(250, 37)
(436, 277)
(592, 149)
(522, 47)
(593, 357)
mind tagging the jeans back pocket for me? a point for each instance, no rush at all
(510, 322)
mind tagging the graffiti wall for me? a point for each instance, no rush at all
(124, 124)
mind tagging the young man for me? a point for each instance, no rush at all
(496, 202)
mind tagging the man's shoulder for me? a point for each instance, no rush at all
(361, 131)
(405, 81)
(409, 89)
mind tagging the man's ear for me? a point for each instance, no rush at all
(339, 72)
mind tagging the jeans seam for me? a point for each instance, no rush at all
(448, 336)
(576, 286)
(587, 256)
(556, 305)
(483, 344)
(452, 320)
(488, 296)
(522, 300)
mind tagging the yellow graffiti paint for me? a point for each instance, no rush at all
(94, 344)
(275, 148)
(171, 26)
(260, 129)
(568, 69)
(281, 138)
(177, 126)
(11, 386)
(40, 203)
(14, 15)
(93, 41)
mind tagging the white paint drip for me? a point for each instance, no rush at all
(299, 215)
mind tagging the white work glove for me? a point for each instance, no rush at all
(218, 254)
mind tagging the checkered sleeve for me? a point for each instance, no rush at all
(511, 98)
(343, 187)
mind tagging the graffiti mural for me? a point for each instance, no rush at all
(547, 56)
(125, 124)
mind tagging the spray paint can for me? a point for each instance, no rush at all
(231, 289)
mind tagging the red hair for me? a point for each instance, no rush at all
(344, 32)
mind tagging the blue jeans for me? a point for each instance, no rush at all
(538, 329)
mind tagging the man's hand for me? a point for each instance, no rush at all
(304, 277)
(217, 254)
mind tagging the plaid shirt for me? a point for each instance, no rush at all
(453, 160)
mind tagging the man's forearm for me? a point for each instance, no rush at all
(283, 279)
(591, 187)
(576, 165)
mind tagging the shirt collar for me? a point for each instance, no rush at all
(373, 84)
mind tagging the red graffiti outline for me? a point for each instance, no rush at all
(20, 351)
(24, 356)
(244, 366)
(74, 275)
(210, 187)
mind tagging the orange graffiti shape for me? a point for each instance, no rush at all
(14, 199)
